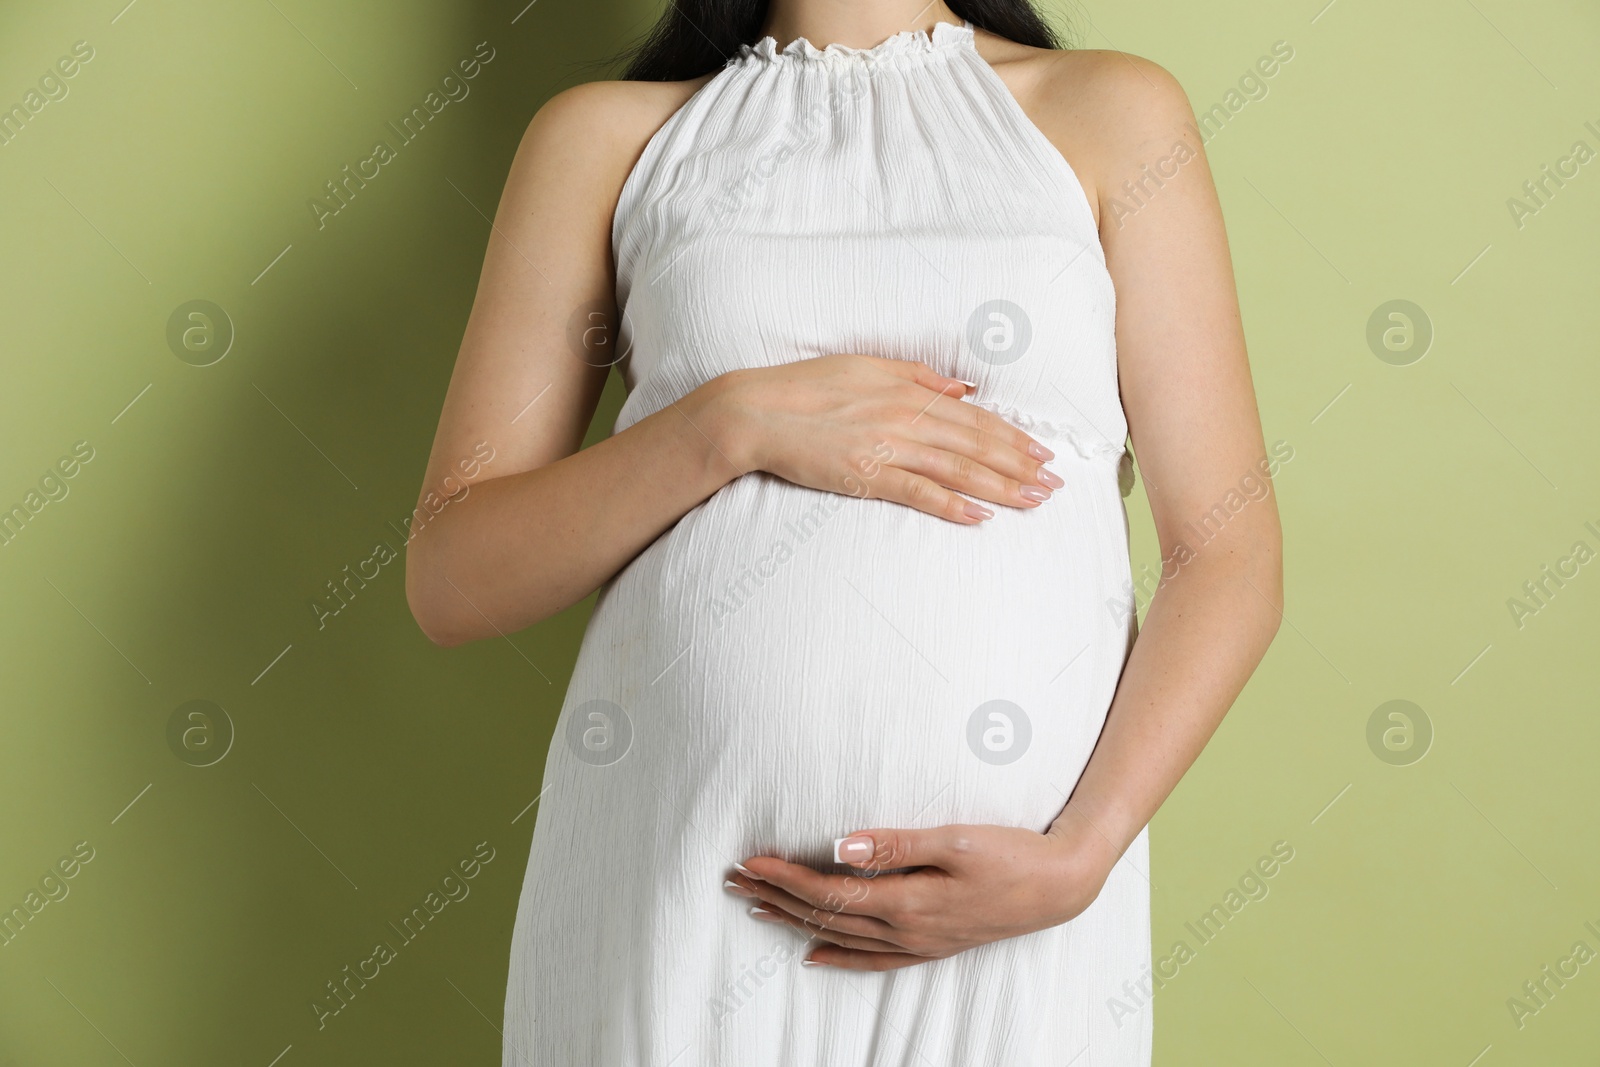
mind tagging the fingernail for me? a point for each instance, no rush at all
(969, 385)
(1039, 452)
(812, 963)
(1050, 478)
(852, 849)
(978, 511)
(763, 913)
(747, 872)
(1034, 492)
(735, 887)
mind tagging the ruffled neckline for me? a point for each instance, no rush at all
(906, 43)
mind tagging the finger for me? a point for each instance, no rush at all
(944, 847)
(819, 913)
(766, 913)
(923, 375)
(960, 472)
(928, 496)
(848, 894)
(855, 960)
(989, 441)
(971, 418)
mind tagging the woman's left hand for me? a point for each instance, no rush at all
(976, 884)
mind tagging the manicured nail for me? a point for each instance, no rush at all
(1034, 492)
(1050, 478)
(852, 849)
(734, 887)
(978, 511)
(1039, 452)
(763, 913)
(812, 963)
(748, 873)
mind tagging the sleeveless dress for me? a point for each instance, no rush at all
(785, 666)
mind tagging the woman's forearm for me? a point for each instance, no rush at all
(513, 550)
(517, 549)
(1205, 632)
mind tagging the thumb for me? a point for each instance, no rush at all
(883, 850)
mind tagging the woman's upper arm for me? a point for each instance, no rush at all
(518, 385)
(1182, 368)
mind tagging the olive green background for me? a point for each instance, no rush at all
(365, 762)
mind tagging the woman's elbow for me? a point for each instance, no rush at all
(433, 617)
(434, 626)
(449, 616)
(1266, 567)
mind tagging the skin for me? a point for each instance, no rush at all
(545, 524)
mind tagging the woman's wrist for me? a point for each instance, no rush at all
(1090, 849)
(722, 411)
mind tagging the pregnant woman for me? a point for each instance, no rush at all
(855, 764)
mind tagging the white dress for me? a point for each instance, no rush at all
(785, 666)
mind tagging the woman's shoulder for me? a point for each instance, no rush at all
(604, 125)
(1101, 108)
(580, 146)
(1099, 80)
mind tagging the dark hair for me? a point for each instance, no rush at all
(696, 37)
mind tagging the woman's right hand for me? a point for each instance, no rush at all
(886, 428)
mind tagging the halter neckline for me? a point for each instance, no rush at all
(907, 43)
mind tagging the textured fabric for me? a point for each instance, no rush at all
(785, 665)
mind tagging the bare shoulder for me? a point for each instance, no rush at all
(1117, 80)
(1102, 109)
(618, 111)
(1120, 99)
(588, 137)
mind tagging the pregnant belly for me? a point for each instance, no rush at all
(823, 663)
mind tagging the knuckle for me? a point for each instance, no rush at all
(856, 890)
(915, 397)
(891, 850)
(920, 493)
